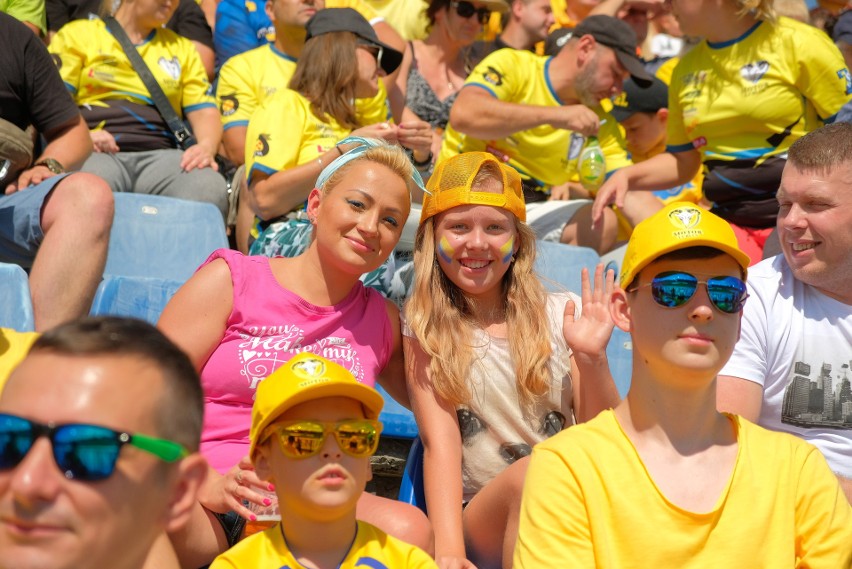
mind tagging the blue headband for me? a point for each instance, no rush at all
(364, 145)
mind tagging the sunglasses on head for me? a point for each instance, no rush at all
(302, 439)
(467, 9)
(82, 452)
(674, 288)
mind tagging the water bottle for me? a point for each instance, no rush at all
(592, 165)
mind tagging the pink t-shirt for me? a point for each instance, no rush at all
(267, 326)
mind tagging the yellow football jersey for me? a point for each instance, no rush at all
(545, 154)
(754, 96)
(371, 548)
(95, 68)
(248, 79)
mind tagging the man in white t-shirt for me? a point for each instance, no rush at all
(791, 369)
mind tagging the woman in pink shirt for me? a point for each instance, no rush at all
(239, 318)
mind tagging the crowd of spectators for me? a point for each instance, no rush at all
(384, 169)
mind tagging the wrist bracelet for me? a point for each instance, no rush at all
(421, 163)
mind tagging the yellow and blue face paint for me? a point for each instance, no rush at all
(445, 250)
(507, 250)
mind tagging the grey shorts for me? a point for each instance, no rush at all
(20, 222)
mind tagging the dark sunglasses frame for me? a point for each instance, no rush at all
(376, 50)
(466, 9)
(672, 289)
(99, 446)
(290, 429)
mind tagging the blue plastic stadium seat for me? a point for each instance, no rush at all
(619, 352)
(560, 265)
(398, 422)
(411, 489)
(16, 304)
(139, 297)
(162, 237)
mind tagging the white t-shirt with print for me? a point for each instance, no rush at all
(797, 343)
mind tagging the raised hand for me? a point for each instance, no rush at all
(590, 333)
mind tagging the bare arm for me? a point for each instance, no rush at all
(69, 144)
(396, 95)
(234, 141)
(479, 114)
(442, 455)
(207, 127)
(196, 317)
(392, 377)
(593, 386)
(283, 191)
(208, 59)
(661, 172)
(739, 396)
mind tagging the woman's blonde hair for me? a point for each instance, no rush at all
(443, 320)
(326, 74)
(390, 155)
(762, 9)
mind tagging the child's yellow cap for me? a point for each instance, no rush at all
(306, 377)
(449, 186)
(677, 226)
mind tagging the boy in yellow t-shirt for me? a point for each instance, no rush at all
(644, 114)
(664, 480)
(313, 430)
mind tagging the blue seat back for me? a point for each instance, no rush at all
(139, 297)
(560, 265)
(163, 237)
(16, 304)
(411, 490)
(619, 352)
(397, 421)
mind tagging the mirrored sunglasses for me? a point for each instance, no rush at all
(301, 439)
(82, 451)
(674, 288)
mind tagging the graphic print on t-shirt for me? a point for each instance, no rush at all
(818, 390)
(264, 349)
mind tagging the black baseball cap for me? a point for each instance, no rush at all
(620, 37)
(635, 99)
(330, 20)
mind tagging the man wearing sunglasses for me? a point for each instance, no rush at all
(790, 369)
(313, 431)
(535, 113)
(664, 479)
(99, 431)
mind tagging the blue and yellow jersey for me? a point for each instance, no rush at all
(544, 154)
(742, 103)
(371, 548)
(96, 70)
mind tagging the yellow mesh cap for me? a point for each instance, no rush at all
(449, 186)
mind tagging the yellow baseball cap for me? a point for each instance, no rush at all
(677, 226)
(449, 186)
(306, 377)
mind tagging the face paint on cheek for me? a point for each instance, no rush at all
(445, 250)
(508, 249)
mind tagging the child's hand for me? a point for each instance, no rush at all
(590, 334)
(229, 492)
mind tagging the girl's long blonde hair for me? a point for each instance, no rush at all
(443, 319)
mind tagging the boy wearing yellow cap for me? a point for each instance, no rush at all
(314, 428)
(664, 480)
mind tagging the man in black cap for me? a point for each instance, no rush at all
(535, 113)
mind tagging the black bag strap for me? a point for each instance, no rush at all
(183, 135)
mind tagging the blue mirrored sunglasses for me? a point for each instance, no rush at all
(82, 452)
(675, 288)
